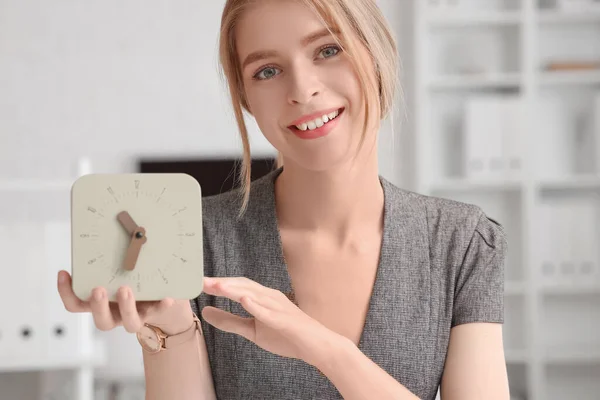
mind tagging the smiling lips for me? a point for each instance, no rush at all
(316, 125)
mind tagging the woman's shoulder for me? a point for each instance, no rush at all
(452, 223)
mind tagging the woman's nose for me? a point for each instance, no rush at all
(303, 88)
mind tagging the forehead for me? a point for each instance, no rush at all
(274, 25)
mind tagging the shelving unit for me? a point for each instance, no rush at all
(483, 70)
(58, 350)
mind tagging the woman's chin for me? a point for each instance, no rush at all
(319, 160)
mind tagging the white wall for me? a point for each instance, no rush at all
(115, 80)
(112, 79)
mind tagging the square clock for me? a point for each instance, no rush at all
(142, 230)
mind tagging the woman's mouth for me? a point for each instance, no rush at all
(318, 127)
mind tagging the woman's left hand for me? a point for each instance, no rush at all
(277, 326)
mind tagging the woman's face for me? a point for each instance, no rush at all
(301, 88)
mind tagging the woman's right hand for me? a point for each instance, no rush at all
(172, 316)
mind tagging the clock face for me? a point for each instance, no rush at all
(138, 230)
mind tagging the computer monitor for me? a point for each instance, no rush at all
(215, 175)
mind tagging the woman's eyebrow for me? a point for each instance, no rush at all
(263, 54)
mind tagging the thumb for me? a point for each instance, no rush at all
(228, 322)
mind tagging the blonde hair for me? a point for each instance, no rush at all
(350, 18)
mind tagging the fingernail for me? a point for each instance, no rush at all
(98, 295)
(61, 277)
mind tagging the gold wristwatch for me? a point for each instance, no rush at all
(153, 339)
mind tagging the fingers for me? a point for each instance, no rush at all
(103, 316)
(236, 288)
(260, 312)
(129, 315)
(241, 282)
(71, 302)
(229, 323)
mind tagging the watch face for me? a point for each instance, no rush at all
(149, 339)
(139, 230)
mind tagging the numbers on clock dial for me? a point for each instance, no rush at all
(179, 211)
(183, 260)
(188, 234)
(95, 212)
(111, 191)
(167, 216)
(162, 275)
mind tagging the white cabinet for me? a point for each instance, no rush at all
(508, 118)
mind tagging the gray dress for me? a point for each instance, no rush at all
(441, 265)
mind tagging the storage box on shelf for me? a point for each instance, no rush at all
(36, 332)
(507, 124)
(572, 382)
(571, 338)
(568, 237)
(566, 137)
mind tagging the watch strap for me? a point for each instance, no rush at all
(179, 338)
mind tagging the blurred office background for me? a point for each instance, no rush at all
(501, 108)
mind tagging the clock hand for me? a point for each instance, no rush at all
(127, 222)
(138, 238)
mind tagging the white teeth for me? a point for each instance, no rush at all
(318, 122)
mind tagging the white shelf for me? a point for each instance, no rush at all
(521, 42)
(571, 356)
(476, 81)
(34, 185)
(23, 364)
(470, 185)
(569, 78)
(573, 17)
(581, 288)
(570, 183)
(487, 18)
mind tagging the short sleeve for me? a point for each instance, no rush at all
(479, 290)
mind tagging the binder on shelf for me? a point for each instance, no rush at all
(585, 237)
(564, 244)
(494, 139)
(596, 131)
(5, 302)
(513, 134)
(554, 135)
(67, 334)
(22, 305)
(548, 251)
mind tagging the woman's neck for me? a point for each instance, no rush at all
(334, 201)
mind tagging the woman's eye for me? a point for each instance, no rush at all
(329, 51)
(266, 73)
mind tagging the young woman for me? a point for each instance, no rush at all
(324, 280)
